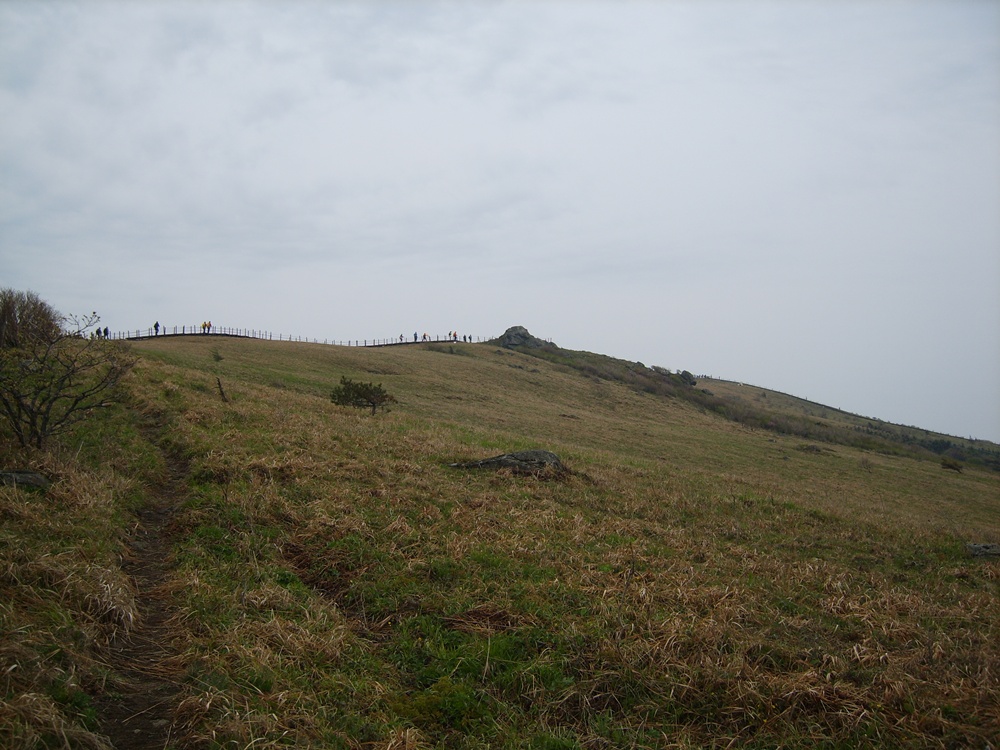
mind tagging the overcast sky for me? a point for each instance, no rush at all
(799, 195)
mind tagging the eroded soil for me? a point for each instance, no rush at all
(138, 708)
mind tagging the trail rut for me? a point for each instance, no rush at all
(137, 713)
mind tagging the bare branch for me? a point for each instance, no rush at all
(53, 377)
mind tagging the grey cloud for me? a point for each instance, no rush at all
(718, 187)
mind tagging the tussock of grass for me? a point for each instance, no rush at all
(30, 720)
(65, 598)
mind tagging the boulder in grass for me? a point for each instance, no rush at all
(25, 479)
(536, 462)
(984, 550)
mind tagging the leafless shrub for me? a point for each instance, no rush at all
(25, 317)
(54, 378)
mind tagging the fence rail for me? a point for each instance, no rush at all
(252, 333)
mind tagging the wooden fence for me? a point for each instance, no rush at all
(250, 333)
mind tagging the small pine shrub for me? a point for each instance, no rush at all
(361, 395)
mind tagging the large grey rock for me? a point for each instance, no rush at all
(518, 336)
(522, 462)
(31, 479)
(982, 550)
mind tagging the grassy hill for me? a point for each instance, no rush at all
(328, 580)
(784, 414)
(852, 429)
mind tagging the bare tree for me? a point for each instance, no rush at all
(25, 316)
(51, 377)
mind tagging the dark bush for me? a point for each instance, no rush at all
(361, 395)
(951, 465)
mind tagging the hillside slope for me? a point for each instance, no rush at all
(333, 582)
(762, 408)
(854, 428)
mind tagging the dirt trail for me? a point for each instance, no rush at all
(138, 715)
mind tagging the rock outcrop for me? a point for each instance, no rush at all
(518, 337)
(29, 479)
(984, 550)
(538, 463)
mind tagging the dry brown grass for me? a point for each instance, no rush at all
(64, 599)
(691, 584)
